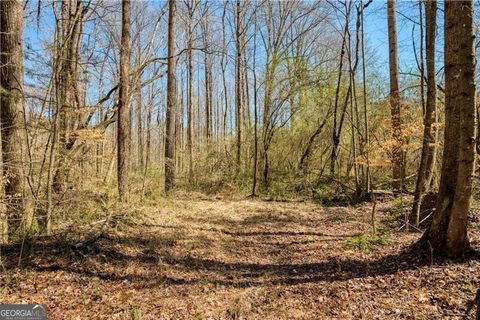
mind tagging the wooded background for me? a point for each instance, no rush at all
(280, 99)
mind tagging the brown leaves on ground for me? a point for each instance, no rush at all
(205, 259)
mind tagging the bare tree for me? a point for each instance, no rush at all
(138, 95)
(397, 152)
(239, 81)
(205, 24)
(255, 111)
(171, 112)
(366, 138)
(427, 161)
(124, 118)
(69, 31)
(340, 113)
(191, 8)
(224, 68)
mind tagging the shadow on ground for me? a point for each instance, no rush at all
(161, 254)
(160, 264)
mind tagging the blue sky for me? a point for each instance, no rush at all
(375, 27)
(377, 32)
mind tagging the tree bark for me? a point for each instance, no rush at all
(139, 99)
(447, 233)
(427, 161)
(239, 83)
(148, 138)
(307, 151)
(337, 130)
(365, 106)
(12, 116)
(171, 112)
(224, 67)
(397, 151)
(255, 113)
(124, 118)
(191, 11)
(208, 79)
(67, 85)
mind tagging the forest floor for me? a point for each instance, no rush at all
(208, 258)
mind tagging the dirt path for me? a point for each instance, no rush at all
(202, 259)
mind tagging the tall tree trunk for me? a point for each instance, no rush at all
(224, 67)
(448, 230)
(180, 126)
(190, 90)
(365, 106)
(190, 100)
(124, 119)
(47, 223)
(354, 103)
(255, 113)
(171, 112)
(139, 98)
(67, 85)
(267, 103)
(427, 161)
(246, 86)
(397, 151)
(12, 115)
(208, 79)
(139, 114)
(337, 130)
(148, 138)
(421, 63)
(239, 83)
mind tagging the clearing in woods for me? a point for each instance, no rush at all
(246, 259)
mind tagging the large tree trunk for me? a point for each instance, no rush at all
(12, 116)
(448, 230)
(171, 101)
(397, 151)
(124, 118)
(425, 171)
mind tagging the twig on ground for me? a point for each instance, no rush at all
(85, 243)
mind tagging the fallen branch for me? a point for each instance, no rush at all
(89, 241)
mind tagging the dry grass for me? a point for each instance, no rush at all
(204, 258)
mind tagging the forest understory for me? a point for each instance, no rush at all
(202, 257)
(132, 133)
